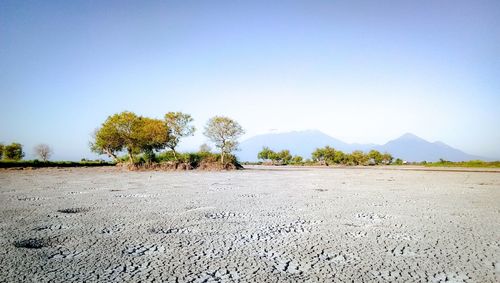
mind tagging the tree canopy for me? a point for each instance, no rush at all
(179, 126)
(13, 151)
(131, 133)
(224, 133)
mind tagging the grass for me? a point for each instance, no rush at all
(472, 164)
(41, 164)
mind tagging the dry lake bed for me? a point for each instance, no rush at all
(255, 225)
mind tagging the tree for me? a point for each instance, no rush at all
(205, 148)
(224, 133)
(127, 131)
(274, 157)
(152, 136)
(265, 154)
(1, 151)
(284, 156)
(399, 161)
(297, 159)
(376, 156)
(339, 157)
(359, 157)
(43, 151)
(387, 158)
(178, 125)
(324, 155)
(318, 155)
(14, 151)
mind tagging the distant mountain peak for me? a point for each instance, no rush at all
(410, 136)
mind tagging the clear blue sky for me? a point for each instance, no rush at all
(361, 71)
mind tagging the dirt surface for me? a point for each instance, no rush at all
(272, 225)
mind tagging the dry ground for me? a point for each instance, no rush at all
(282, 224)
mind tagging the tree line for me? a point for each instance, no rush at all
(326, 156)
(144, 137)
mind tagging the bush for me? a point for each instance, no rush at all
(14, 151)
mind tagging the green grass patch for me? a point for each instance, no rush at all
(472, 164)
(42, 164)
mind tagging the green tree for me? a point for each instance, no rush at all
(318, 155)
(265, 154)
(398, 161)
(339, 157)
(152, 136)
(224, 133)
(325, 155)
(13, 151)
(376, 156)
(387, 158)
(297, 159)
(284, 156)
(179, 126)
(274, 157)
(349, 159)
(1, 150)
(359, 157)
(129, 132)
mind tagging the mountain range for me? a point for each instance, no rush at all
(408, 147)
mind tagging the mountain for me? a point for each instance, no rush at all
(407, 147)
(412, 148)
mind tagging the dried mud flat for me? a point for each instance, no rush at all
(277, 225)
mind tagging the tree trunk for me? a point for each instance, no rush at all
(222, 157)
(131, 158)
(112, 155)
(175, 154)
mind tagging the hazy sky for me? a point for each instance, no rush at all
(361, 71)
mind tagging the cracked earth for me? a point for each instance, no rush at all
(272, 225)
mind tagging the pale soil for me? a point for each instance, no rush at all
(275, 225)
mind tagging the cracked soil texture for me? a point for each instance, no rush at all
(271, 225)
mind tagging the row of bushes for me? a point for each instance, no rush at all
(184, 161)
(326, 156)
(471, 163)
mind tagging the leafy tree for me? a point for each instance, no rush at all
(318, 155)
(274, 157)
(1, 150)
(152, 137)
(119, 132)
(13, 151)
(324, 155)
(297, 159)
(43, 151)
(359, 157)
(224, 133)
(349, 159)
(132, 133)
(339, 157)
(178, 125)
(284, 156)
(398, 161)
(376, 156)
(265, 154)
(387, 158)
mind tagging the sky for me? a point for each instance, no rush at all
(360, 71)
